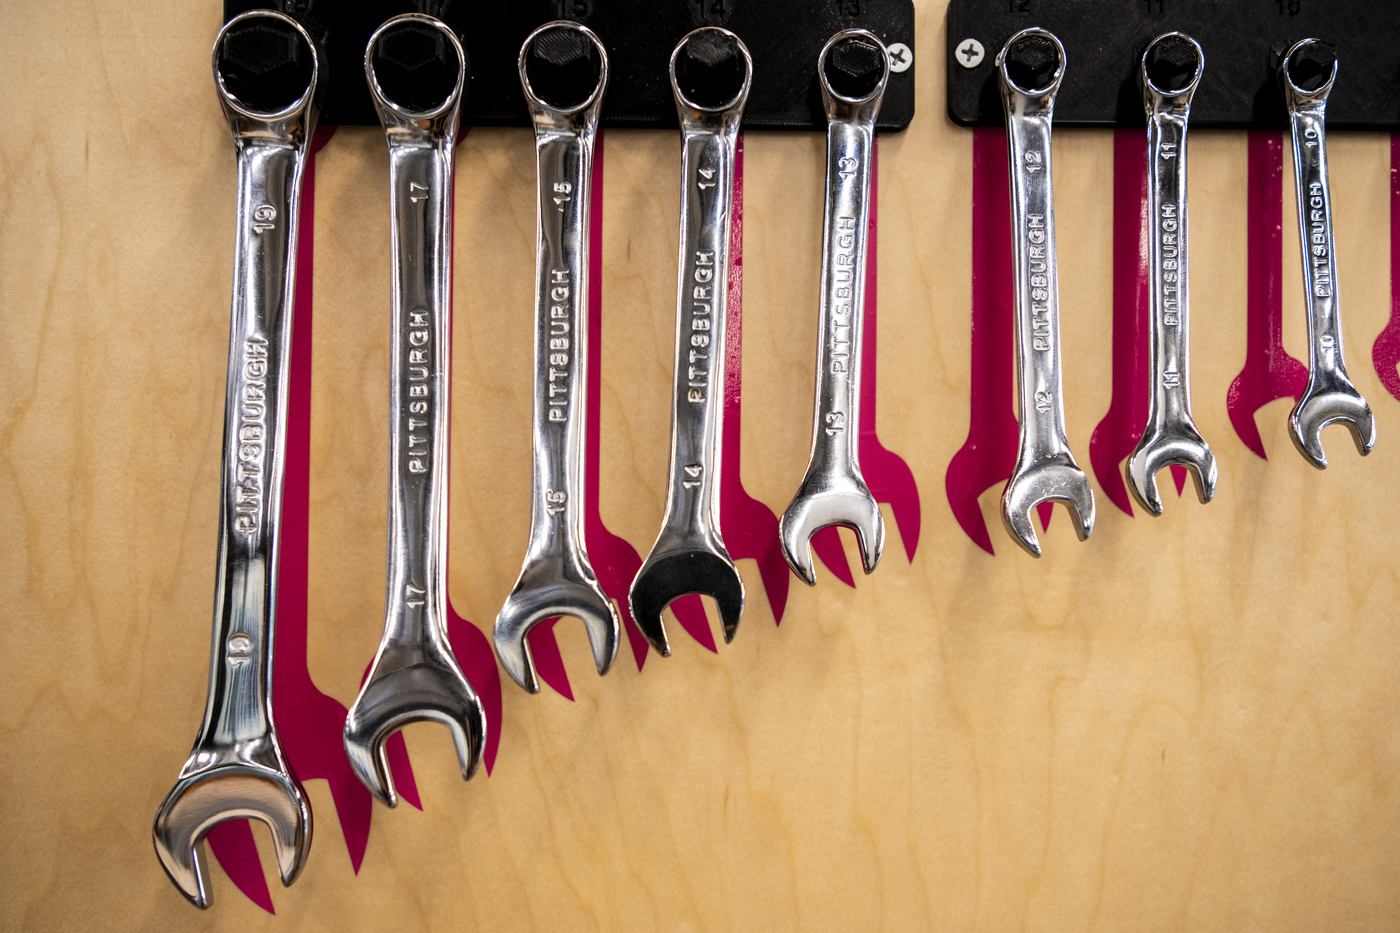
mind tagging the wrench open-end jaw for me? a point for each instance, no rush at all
(417, 72)
(710, 76)
(1030, 67)
(853, 69)
(564, 71)
(265, 70)
(1307, 73)
(1170, 71)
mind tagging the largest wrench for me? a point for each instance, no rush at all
(1045, 469)
(417, 73)
(1307, 73)
(237, 768)
(570, 71)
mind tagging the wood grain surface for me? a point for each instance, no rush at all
(1184, 723)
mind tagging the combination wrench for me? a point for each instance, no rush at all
(265, 69)
(417, 72)
(1030, 67)
(564, 71)
(853, 69)
(710, 76)
(1170, 70)
(1307, 73)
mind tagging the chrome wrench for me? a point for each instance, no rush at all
(853, 69)
(1307, 73)
(570, 69)
(1045, 469)
(417, 73)
(1170, 70)
(265, 71)
(710, 76)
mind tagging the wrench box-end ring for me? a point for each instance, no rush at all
(1172, 65)
(711, 70)
(565, 59)
(1032, 62)
(253, 80)
(416, 66)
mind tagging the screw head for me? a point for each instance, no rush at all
(970, 53)
(901, 57)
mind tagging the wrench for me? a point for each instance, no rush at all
(265, 71)
(1045, 469)
(710, 75)
(1170, 70)
(570, 69)
(417, 73)
(1307, 73)
(853, 68)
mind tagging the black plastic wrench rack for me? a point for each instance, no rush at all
(783, 36)
(1242, 41)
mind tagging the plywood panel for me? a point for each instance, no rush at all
(1184, 723)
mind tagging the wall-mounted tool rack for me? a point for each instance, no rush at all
(1242, 41)
(783, 36)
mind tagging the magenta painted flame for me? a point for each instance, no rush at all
(1385, 354)
(988, 456)
(750, 527)
(1121, 428)
(887, 476)
(1269, 373)
(233, 845)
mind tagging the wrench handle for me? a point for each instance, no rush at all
(565, 167)
(1038, 380)
(420, 178)
(239, 705)
(707, 199)
(1169, 336)
(1308, 117)
(836, 420)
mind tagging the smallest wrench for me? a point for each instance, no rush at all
(710, 76)
(564, 71)
(417, 73)
(853, 69)
(1170, 70)
(1045, 469)
(1307, 73)
(237, 768)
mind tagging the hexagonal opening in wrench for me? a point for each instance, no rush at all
(1172, 63)
(415, 66)
(563, 67)
(1032, 61)
(710, 68)
(1312, 65)
(265, 64)
(854, 67)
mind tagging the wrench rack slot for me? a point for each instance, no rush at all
(1243, 41)
(783, 36)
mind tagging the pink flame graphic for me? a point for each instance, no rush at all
(1269, 372)
(886, 474)
(988, 456)
(1385, 354)
(750, 527)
